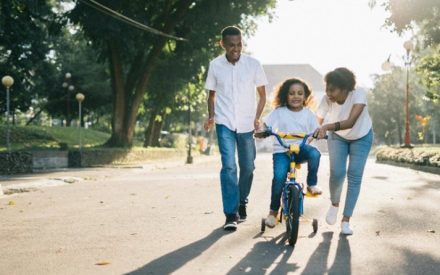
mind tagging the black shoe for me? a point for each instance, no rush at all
(231, 223)
(242, 212)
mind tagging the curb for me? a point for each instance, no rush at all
(429, 169)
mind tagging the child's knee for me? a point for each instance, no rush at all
(315, 154)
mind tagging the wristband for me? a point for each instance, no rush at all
(337, 126)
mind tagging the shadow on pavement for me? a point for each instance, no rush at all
(318, 261)
(342, 263)
(263, 255)
(172, 261)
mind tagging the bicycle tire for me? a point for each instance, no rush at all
(293, 214)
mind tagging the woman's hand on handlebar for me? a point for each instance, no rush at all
(320, 133)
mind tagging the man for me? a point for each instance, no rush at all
(233, 80)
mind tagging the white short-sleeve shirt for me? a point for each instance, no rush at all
(235, 90)
(284, 120)
(333, 112)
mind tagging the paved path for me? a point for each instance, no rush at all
(167, 219)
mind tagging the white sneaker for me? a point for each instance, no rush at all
(314, 190)
(270, 221)
(345, 228)
(332, 214)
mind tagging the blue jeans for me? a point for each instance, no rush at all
(281, 166)
(339, 150)
(235, 191)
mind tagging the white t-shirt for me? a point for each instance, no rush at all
(235, 90)
(284, 120)
(333, 112)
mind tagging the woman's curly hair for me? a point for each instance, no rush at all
(281, 92)
(341, 78)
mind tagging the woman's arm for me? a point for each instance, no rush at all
(355, 112)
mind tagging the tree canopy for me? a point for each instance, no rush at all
(27, 29)
(133, 55)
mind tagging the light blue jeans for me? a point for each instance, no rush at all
(235, 191)
(356, 151)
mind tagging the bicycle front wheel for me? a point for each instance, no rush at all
(293, 213)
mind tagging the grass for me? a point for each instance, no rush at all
(40, 137)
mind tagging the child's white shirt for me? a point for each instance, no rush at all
(284, 120)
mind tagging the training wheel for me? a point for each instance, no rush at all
(263, 225)
(315, 225)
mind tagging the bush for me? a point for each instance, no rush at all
(425, 156)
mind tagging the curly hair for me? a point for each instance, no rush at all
(341, 78)
(281, 92)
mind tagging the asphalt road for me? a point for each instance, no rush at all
(167, 218)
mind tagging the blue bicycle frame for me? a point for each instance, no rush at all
(293, 150)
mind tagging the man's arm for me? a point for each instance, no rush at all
(211, 111)
(260, 107)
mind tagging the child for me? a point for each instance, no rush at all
(291, 116)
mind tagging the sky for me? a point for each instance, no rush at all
(328, 34)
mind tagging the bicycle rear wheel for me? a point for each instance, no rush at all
(293, 213)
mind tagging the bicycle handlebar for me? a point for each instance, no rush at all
(267, 131)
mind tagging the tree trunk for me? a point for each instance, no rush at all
(119, 137)
(152, 133)
(126, 104)
(156, 133)
(148, 136)
(34, 117)
(399, 133)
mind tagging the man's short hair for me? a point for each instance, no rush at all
(230, 30)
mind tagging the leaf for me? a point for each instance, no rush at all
(103, 262)
(11, 203)
(431, 231)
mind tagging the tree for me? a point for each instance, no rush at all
(74, 55)
(386, 106)
(133, 54)
(27, 29)
(428, 68)
(405, 14)
(422, 16)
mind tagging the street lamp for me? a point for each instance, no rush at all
(386, 66)
(189, 158)
(7, 81)
(70, 88)
(408, 45)
(80, 98)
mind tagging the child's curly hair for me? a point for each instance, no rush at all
(281, 92)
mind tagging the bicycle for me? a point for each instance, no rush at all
(293, 194)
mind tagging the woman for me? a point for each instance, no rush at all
(350, 135)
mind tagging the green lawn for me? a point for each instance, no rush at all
(39, 137)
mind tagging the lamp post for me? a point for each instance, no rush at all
(408, 45)
(7, 81)
(80, 98)
(70, 88)
(386, 66)
(189, 158)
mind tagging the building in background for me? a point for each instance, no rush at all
(277, 73)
